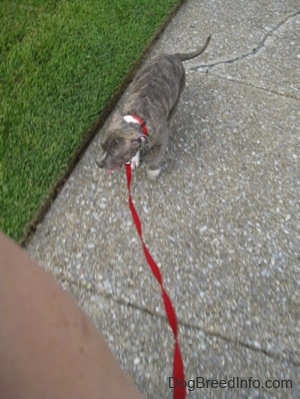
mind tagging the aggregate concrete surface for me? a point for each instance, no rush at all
(222, 220)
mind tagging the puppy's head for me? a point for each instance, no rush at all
(120, 143)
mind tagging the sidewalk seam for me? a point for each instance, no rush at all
(243, 82)
(181, 323)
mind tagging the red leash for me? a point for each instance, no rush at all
(178, 370)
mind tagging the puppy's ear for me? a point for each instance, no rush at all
(143, 139)
(139, 139)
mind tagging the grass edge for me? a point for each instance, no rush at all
(31, 226)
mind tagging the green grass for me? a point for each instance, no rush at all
(60, 64)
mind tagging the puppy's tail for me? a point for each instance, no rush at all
(189, 56)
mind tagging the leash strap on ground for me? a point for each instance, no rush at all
(178, 369)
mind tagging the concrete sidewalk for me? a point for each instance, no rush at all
(221, 220)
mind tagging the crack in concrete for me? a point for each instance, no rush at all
(92, 288)
(254, 51)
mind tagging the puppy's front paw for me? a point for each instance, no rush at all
(135, 161)
(153, 173)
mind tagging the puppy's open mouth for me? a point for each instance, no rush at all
(108, 166)
(110, 171)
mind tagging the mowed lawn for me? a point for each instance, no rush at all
(61, 61)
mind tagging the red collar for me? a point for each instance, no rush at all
(141, 123)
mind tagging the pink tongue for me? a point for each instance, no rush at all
(109, 171)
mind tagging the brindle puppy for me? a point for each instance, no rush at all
(154, 97)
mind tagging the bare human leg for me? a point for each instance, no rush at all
(48, 347)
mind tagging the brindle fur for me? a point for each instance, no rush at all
(154, 97)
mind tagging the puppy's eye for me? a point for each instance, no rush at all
(115, 143)
(112, 152)
(110, 146)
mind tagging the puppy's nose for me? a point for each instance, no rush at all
(100, 164)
